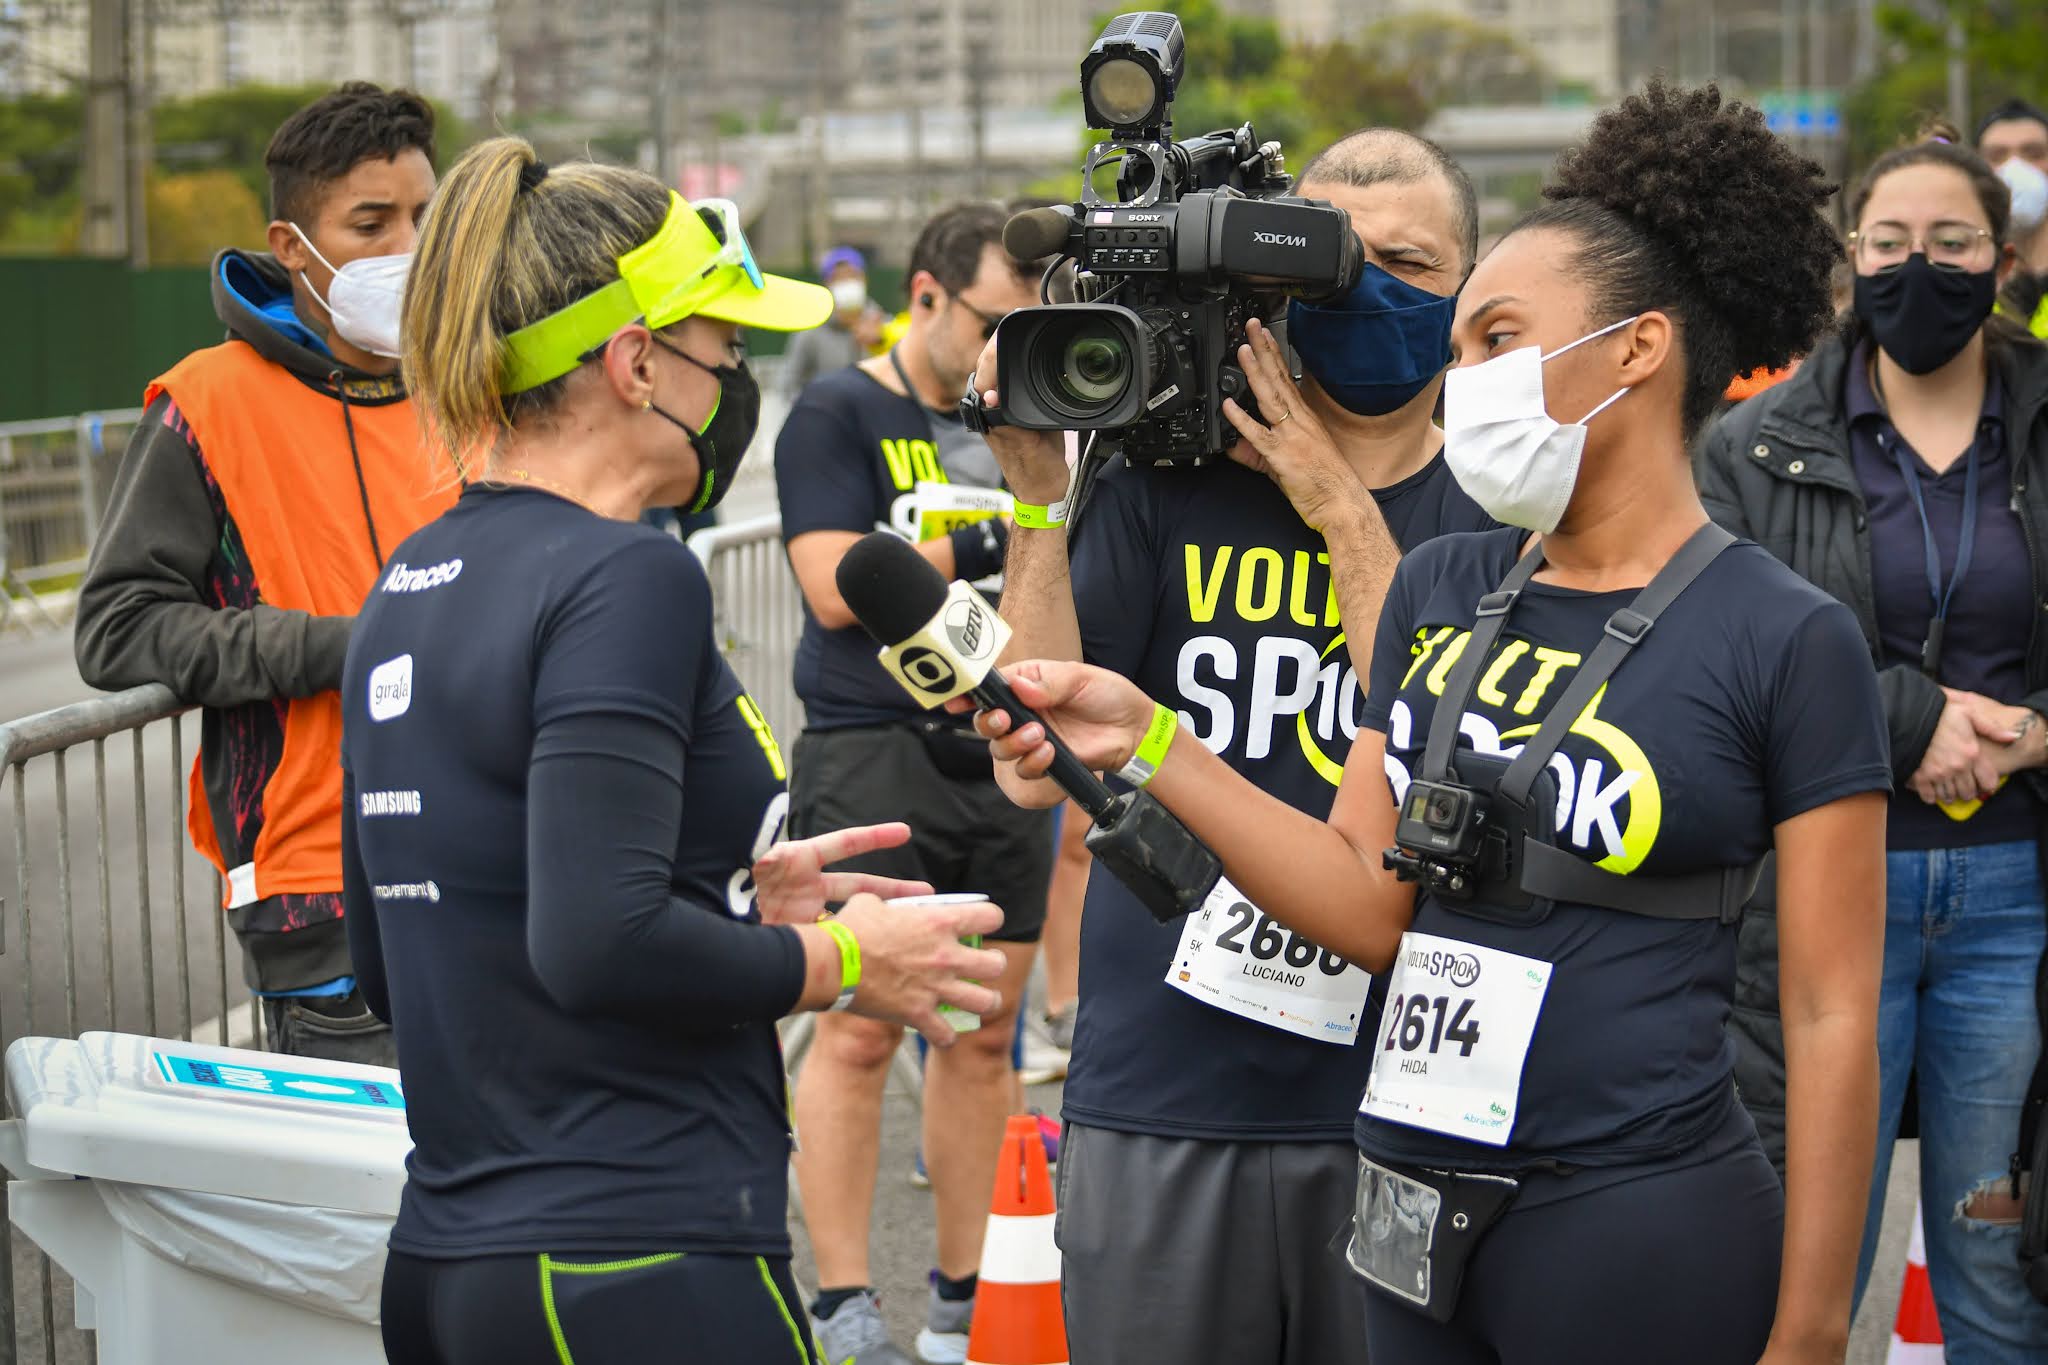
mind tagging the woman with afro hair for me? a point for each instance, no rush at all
(1553, 1163)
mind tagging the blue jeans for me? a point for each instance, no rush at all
(1964, 933)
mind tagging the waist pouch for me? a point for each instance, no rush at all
(955, 750)
(1414, 1230)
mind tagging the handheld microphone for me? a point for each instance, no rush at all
(940, 643)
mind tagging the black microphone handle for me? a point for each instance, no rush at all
(1069, 773)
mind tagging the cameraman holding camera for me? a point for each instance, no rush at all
(1208, 1160)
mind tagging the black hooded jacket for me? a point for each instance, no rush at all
(1777, 469)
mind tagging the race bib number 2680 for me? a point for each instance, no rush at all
(1233, 956)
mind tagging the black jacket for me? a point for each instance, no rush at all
(1777, 469)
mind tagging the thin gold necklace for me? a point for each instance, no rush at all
(529, 477)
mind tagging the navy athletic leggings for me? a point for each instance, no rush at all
(1679, 1267)
(593, 1309)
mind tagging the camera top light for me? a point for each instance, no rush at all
(1123, 92)
(1129, 75)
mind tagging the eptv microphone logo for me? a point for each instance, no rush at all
(967, 626)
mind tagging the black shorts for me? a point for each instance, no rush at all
(595, 1309)
(965, 835)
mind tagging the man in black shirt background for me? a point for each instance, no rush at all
(881, 444)
(1207, 1159)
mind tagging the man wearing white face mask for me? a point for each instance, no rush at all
(845, 337)
(252, 514)
(2013, 138)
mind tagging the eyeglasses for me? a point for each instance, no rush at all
(1948, 246)
(988, 321)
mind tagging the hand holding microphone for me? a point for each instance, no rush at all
(941, 644)
(1102, 717)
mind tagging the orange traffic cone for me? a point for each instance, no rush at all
(1017, 1314)
(1916, 1334)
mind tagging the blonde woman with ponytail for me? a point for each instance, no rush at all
(565, 887)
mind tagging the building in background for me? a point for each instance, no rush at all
(749, 60)
(952, 54)
(195, 47)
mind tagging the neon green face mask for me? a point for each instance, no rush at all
(687, 269)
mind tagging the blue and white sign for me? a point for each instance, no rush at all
(215, 1076)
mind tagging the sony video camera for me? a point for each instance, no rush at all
(1203, 236)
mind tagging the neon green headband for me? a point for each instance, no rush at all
(663, 280)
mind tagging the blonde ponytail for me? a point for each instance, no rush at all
(493, 257)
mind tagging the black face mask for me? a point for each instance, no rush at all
(1923, 316)
(723, 442)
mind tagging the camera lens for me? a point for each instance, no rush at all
(1442, 812)
(1084, 367)
(1093, 368)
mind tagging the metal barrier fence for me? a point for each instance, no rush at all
(757, 614)
(54, 480)
(107, 921)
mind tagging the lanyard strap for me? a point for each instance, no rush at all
(931, 427)
(1624, 630)
(1939, 598)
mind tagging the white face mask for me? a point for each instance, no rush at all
(849, 296)
(365, 298)
(2029, 186)
(1507, 452)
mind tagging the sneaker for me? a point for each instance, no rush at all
(1046, 1059)
(920, 1178)
(856, 1335)
(943, 1340)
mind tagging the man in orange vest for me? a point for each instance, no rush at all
(255, 504)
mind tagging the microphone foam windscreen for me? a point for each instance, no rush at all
(1037, 233)
(889, 587)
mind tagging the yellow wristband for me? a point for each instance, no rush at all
(1033, 517)
(1152, 748)
(849, 959)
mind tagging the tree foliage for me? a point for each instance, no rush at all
(192, 216)
(208, 159)
(2005, 51)
(1396, 73)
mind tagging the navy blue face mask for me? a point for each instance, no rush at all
(1377, 347)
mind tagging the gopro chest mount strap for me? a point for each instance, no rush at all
(1540, 868)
